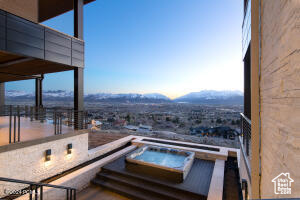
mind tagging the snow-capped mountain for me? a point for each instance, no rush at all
(130, 97)
(202, 97)
(213, 97)
(62, 95)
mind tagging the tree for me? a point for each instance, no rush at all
(182, 125)
(232, 122)
(198, 121)
(219, 121)
(176, 120)
(127, 118)
(168, 119)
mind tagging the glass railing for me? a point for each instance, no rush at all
(246, 28)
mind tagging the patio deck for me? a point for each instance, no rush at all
(29, 130)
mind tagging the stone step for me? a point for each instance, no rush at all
(139, 182)
(126, 190)
(149, 181)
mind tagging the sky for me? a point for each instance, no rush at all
(171, 47)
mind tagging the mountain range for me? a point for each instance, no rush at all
(202, 97)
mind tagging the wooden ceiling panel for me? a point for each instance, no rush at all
(26, 68)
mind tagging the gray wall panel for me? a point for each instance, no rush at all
(53, 47)
(77, 55)
(2, 20)
(77, 45)
(25, 39)
(57, 38)
(23, 49)
(77, 62)
(34, 40)
(57, 58)
(24, 26)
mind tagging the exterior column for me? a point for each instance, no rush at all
(2, 94)
(78, 72)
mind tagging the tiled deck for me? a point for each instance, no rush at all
(29, 130)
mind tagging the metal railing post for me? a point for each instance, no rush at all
(10, 113)
(54, 122)
(41, 193)
(15, 117)
(30, 192)
(67, 194)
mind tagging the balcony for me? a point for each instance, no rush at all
(27, 123)
(246, 134)
(28, 49)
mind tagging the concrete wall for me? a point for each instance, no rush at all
(79, 179)
(27, 9)
(245, 171)
(280, 94)
(29, 164)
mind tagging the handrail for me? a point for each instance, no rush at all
(246, 118)
(34, 183)
(246, 133)
(71, 192)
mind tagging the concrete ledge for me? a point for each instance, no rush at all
(216, 184)
(80, 178)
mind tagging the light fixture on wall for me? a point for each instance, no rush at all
(48, 155)
(69, 148)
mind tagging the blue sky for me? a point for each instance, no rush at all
(171, 47)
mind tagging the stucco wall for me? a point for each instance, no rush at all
(27, 9)
(280, 94)
(29, 164)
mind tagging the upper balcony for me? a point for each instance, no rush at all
(28, 49)
(246, 27)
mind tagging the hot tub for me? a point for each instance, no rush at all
(163, 163)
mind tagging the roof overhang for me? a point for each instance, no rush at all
(52, 8)
(15, 68)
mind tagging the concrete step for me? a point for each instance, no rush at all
(148, 185)
(151, 181)
(126, 190)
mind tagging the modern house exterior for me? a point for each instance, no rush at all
(54, 160)
(271, 118)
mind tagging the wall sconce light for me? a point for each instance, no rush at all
(69, 148)
(48, 155)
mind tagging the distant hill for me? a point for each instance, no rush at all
(202, 97)
(62, 95)
(127, 98)
(212, 97)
